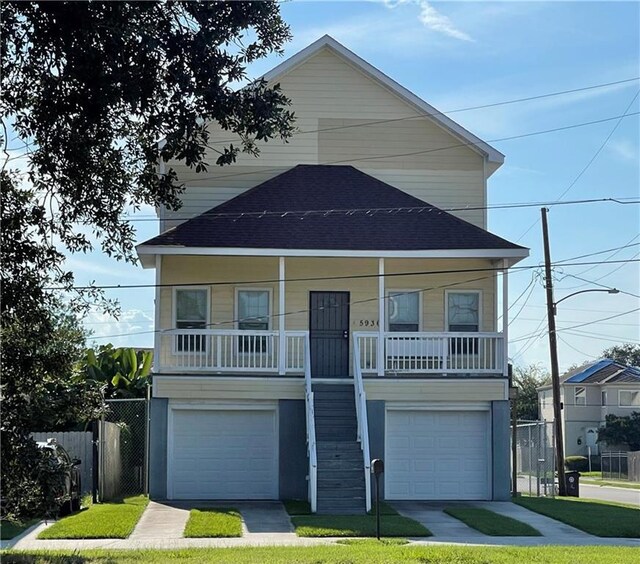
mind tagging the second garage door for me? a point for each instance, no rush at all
(223, 454)
(437, 455)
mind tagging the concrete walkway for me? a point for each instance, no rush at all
(268, 524)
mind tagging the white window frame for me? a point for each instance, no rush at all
(636, 406)
(174, 315)
(236, 316)
(604, 397)
(236, 305)
(446, 307)
(576, 389)
(388, 308)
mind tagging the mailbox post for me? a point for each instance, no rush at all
(377, 468)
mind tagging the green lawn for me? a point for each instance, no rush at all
(357, 526)
(359, 553)
(214, 522)
(491, 523)
(599, 518)
(385, 509)
(9, 529)
(101, 521)
(608, 482)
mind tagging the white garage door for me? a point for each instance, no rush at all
(223, 454)
(437, 455)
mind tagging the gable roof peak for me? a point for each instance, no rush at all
(494, 157)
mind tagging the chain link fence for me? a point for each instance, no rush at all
(123, 449)
(535, 458)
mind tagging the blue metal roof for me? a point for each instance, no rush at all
(584, 374)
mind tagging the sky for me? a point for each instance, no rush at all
(457, 55)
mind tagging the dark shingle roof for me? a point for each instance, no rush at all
(325, 187)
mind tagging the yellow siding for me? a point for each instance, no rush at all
(434, 390)
(223, 275)
(243, 388)
(326, 93)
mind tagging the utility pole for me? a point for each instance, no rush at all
(553, 350)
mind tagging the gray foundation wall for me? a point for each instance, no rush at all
(376, 418)
(501, 478)
(294, 465)
(158, 448)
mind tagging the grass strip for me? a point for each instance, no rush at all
(359, 553)
(113, 520)
(220, 522)
(385, 509)
(357, 526)
(598, 518)
(613, 483)
(491, 523)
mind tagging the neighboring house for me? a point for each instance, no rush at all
(590, 393)
(320, 309)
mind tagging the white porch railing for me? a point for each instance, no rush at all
(311, 428)
(363, 423)
(231, 350)
(432, 353)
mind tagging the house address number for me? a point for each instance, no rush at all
(368, 323)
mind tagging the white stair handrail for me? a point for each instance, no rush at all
(311, 428)
(363, 424)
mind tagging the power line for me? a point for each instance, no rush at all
(598, 253)
(434, 150)
(591, 161)
(458, 110)
(341, 277)
(353, 211)
(308, 310)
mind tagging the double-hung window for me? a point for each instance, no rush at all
(629, 398)
(580, 395)
(463, 315)
(404, 311)
(191, 312)
(253, 315)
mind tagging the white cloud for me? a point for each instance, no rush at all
(433, 19)
(625, 150)
(107, 329)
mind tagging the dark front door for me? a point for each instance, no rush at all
(329, 334)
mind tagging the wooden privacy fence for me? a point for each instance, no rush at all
(79, 445)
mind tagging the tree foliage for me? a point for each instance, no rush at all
(124, 371)
(528, 379)
(619, 430)
(92, 94)
(627, 353)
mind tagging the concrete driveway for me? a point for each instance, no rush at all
(447, 529)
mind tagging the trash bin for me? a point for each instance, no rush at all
(572, 482)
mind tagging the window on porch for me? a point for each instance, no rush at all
(253, 315)
(404, 311)
(463, 315)
(191, 306)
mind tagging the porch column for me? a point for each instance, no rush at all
(381, 317)
(282, 344)
(505, 318)
(157, 336)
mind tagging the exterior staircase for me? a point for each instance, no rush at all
(341, 487)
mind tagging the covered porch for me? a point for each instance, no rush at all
(383, 316)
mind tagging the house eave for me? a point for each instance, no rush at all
(147, 253)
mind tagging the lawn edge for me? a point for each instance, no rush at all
(8, 543)
(215, 509)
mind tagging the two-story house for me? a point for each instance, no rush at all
(331, 302)
(589, 393)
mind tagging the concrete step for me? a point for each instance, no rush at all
(338, 445)
(336, 455)
(347, 438)
(333, 464)
(344, 482)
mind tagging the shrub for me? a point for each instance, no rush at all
(576, 463)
